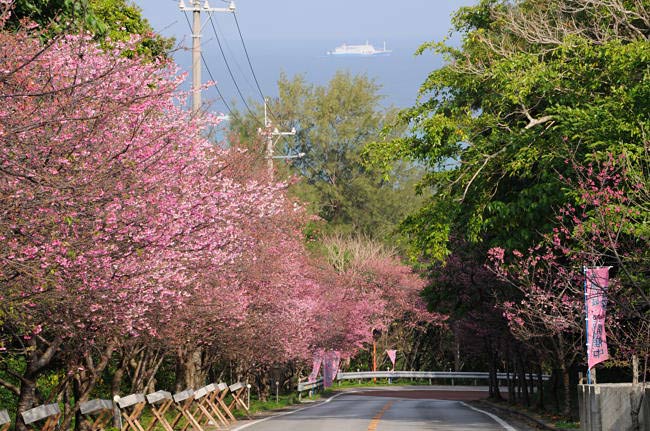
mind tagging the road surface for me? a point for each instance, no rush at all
(392, 410)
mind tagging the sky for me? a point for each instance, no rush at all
(293, 37)
(353, 20)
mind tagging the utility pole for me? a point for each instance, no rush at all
(196, 10)
(272, 134)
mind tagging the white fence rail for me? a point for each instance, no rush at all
(453, 375)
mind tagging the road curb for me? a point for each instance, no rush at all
(537, 421)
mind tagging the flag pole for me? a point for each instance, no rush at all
(584, 270)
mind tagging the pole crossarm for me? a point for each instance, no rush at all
(293, 156)
(272, 135)
(205, 7)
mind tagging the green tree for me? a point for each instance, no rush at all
(536, 88)
(334, 122)
(534, 83)
(114, 19)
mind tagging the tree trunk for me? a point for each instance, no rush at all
(540, 388)
(457, 363)
(37, 360)
(494, 381)
(190, 373)
(181, 369)
(26, 400)
(555, 379)
(566, 388)
(79, 422)
(523, 384)
(263, 386)
(512, 397)
(84, 382)
(116, 381)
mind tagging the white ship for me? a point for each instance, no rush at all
(366, 49)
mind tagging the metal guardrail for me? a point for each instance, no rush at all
(425, 375)
(462, 375)
(308, 386)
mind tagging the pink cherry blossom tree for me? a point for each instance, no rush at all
(604, 227)
(123, 228)
(116, 212)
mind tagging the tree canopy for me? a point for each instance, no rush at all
(533, 84)
(112, 19)
(334, 122)
(532, 136)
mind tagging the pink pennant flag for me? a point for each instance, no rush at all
(596, 283)
(331, 362)
(318, 359)
(392, 355)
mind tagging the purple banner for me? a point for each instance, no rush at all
(315, 368)
(596, 283)
(331, 362)
(392, 355)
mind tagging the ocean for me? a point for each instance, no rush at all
(399, 74)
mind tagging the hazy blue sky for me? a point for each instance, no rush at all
(293, 36)
(345, 20)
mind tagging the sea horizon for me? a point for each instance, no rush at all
(399, 74)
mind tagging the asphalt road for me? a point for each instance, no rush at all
(397, 411)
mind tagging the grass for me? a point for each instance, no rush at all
(567, 425)
(558, 421)
(270, 404)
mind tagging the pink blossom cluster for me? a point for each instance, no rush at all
(604, 226)
(120, 219)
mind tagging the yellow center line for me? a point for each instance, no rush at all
(375, 420)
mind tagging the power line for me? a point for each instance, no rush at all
(233, 57)
(210, 74)
(250, 65)
(257, 83)
(269, 132)
(248, 58)
(232, 76)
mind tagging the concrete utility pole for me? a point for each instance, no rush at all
(196, 10)
(272, 134)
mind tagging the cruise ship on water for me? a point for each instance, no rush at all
(365, 50)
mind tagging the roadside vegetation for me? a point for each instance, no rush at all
(139, 254)
(534, 140)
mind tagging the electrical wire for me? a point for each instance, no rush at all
(253, 116)
(257, 83)
(230, 111)
(232, 76)
(238, 68)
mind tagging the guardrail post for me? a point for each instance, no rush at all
(358, 371)
(390, 380)
(299, 392)
(117, 414)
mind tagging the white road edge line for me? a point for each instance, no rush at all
(500, 421)
(291, 412)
